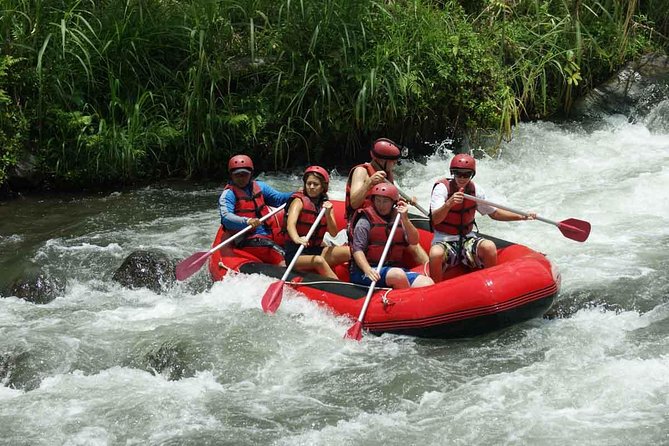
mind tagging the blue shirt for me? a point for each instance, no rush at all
(234, 222)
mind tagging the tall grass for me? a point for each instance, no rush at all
(134, 89)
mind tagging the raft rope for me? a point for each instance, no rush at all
(330, 282)
(316, 282)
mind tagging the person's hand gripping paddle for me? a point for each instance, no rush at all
(272, 297)
(355, 332)
(194, 262)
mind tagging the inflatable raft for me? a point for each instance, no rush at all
(522, 286)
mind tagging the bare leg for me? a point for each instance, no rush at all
(422, 281)
(315, 263)
(336, 255)
(418, 254)
(487, 252)
(397, 279)
(436, 262)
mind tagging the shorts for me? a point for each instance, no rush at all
(291, 250)
(358, 277)
(263, 248)
(456, 253)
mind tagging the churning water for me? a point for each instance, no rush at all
(196, 365)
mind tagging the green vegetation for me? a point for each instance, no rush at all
(115, 91)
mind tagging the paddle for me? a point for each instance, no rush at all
(408, 198)
(355, 332)
(193, 263)
(272, 297)
(572, 228)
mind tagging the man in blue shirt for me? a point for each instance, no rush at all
(243, 202)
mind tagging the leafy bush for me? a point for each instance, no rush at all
(13, 123)
(141, 89)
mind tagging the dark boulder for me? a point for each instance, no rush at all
(634, 91)
(17, 371)
(172, 359)
(147, 269)
(37, 288)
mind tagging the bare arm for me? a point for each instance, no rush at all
(409, 229)
(361, 261)
(361, 182)
(291, 225)
(503, 215)
(330, 220)
(440, 213)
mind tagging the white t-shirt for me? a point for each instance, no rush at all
(439, 197)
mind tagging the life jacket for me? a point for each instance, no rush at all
(368, 201)
(378, 236)
(254, 206)
(460, 217)
(306, 219)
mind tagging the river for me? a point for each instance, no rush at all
(199, 365)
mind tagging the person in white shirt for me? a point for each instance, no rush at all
(452, 217)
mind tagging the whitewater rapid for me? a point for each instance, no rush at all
(105, 365)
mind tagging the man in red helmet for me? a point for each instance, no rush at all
(363, 177)
(243, 202)
(370, 228)
(452, 218)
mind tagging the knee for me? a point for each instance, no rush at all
(345, 254)
(396, 278)
(422, 281)
(436, 253)
(487, 247)
(319, 261)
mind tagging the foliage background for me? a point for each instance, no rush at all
(112, 92)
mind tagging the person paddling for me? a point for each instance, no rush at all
(363, 177)
(243, 202)
(452, 217)
(370, 229)
(303, 208)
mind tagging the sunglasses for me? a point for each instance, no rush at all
(462, 173)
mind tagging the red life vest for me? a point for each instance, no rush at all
(368, 202)
(306, 219)
(254, 207)
(378, 236)
(460, 217)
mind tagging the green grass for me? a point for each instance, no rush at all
(109, 92)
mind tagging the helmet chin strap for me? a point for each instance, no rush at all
(382, 166)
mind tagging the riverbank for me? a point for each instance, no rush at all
(95, 94)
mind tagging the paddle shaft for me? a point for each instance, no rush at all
(408, 198)
(368, 298)
(243, 231)
(506, 208)
(301, 248)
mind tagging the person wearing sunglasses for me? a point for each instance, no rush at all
(452, 218)
(362, 178)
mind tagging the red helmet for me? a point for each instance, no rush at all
(385, 149)
(386, 190)
(240, 162)
(463, 161)
(318, 170)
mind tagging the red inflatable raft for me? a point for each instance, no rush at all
(522, 286)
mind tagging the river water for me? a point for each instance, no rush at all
(104, 365)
